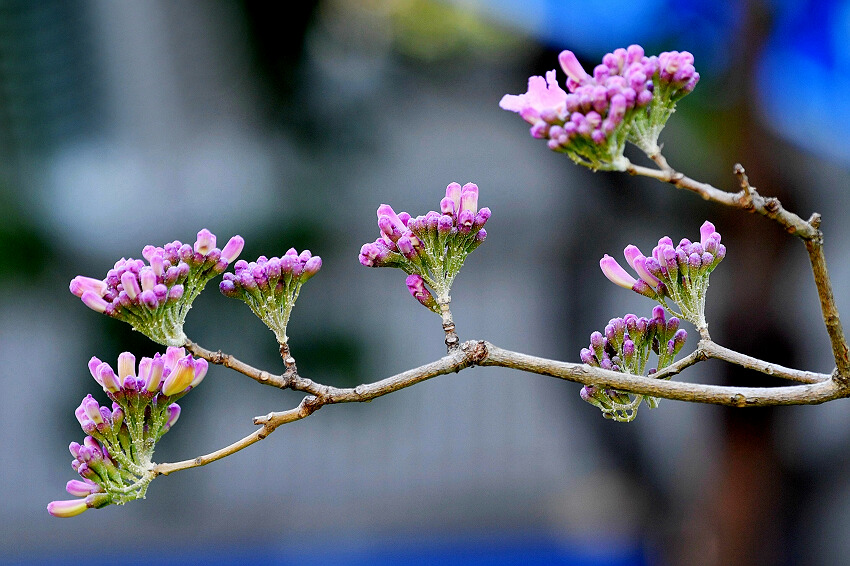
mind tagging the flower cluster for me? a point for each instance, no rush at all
(271, 286)
(155, 298)
(678, 273)
(431, 249)
(115, 458)
(629, 97)
(625, 346)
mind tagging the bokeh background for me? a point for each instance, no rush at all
(126, 123)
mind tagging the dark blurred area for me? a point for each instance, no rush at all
(131, 123)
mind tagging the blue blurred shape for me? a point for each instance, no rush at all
(803, 76)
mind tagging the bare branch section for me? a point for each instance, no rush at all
(818, 388)
(750, 200)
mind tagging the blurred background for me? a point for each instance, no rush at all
(127, 123)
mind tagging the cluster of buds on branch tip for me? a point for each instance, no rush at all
(432, 248)
(677, 273)
(114, 460)
(271, 286)
(629, 97)
(625, 346)
(155, 298)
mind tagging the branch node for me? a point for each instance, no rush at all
(746, 198)
(814, 220)
(479, 352)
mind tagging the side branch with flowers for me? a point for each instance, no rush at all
(628, 98)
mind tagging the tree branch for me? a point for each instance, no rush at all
(818, 388)
(750, 200)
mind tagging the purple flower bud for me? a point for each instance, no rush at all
(694, 261)
(107, 378)
(81, 284)
(417, 288)
(201, 367)
(615, 273)
(68, 508)
(205, 242)
(597, 343)
(94, 301)
(232, 249)
(465, 220)
(228, 289)
(587, 357)
(92, 409)
(173, 415)
(175, 292)
(447, 206)
(180, 377)
(155, 377)
(311, 267)
(469, 199)
(131, 284)
(481, 218)
(572, 67)
(445, 225)
(721, 253)
(79, 488)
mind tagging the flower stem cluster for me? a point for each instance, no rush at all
(625, 346)
(629, 97)
(432, 248)
(155, 298)
(677, 273)
(271, 286)
(114, 460)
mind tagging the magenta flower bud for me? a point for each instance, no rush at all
(481, 218)
(201, 367)
(631, 253)
(311, 267)
(157, 264)
(126, 366)
(180, 377)
(205, 242)
(173, 415)
(705, 232)
(469, 198)
(92, 409)
(107, 378)
(155, 377)
(572, 67)
(94, 301)
(678, 340)
(615, 273)
(447, 206)
(175, 292)
(161, 292)
(131, 284)
(405, 246)
(232, 249)
(416, 286)
(172, 356)
(117, 416)
(606, 363)
(228, 288)
(465, 220)
(147, 278)
(694, 261)
(68, 508)
(721, 253)
(453, 192)
(445, 225)
(145, 370)
(79, 488)
(81, 284)
(93, 363)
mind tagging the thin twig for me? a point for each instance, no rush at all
(718, 352)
